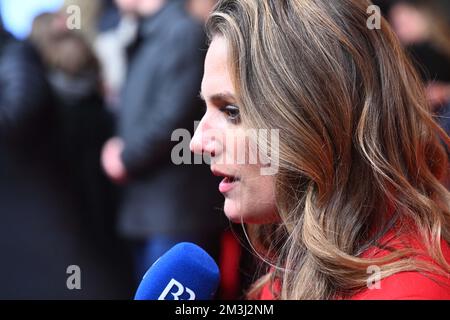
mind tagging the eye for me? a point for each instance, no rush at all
(232, 113)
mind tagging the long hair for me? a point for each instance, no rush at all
(358, 153)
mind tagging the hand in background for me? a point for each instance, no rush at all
(438, 93)
(112, 161)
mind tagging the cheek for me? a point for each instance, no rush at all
(261, 197)
(253, 201)
(239, 149)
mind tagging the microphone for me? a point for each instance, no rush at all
(185, 272)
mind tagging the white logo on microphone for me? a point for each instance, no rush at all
(176, 296)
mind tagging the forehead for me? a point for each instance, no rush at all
(216, 78)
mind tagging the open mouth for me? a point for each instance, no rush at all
(230, 179)
(228, 183)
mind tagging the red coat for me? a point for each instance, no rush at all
(403, 285)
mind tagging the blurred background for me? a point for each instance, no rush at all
(90, 93)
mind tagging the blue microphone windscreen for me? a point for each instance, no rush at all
(185, 272)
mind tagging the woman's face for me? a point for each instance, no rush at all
(249, 195)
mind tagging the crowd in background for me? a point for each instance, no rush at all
(86, 117)
(423, 27)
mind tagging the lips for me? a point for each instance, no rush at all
(228, 183)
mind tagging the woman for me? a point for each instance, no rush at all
(357, 208)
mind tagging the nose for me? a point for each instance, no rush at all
(203, 142)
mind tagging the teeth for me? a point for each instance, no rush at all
(231, 179)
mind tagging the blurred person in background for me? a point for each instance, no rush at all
(41, 234)
(423, 27)
(90, 11)
(19, 112)
(73, 74)
(162, 203)
(200, 9)
(26, 176)
(83, 125)
(114, 36)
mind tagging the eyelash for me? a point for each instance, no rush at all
(228, 110)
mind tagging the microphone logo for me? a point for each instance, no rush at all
(180, 289)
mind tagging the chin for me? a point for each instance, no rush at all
(236, 214)
(232, 211)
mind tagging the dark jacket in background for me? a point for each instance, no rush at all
(84, 125)
(161, 95)
(24, 96)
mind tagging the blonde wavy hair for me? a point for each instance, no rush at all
(356, 138)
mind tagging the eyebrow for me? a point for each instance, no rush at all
(222, 96)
